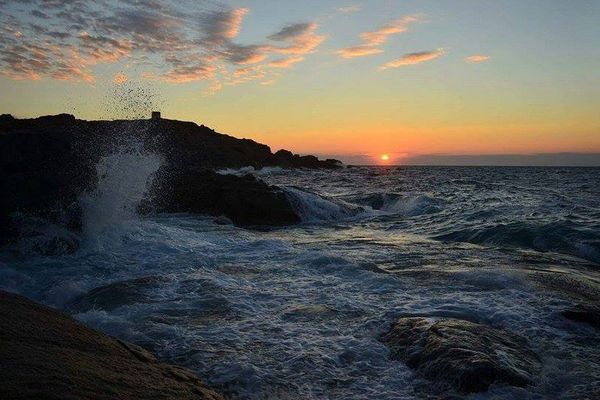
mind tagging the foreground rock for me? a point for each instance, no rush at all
(45, 354)
(463, 355)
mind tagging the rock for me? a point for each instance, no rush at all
(45, 354)
(245, 200)
(114, 295)
(308, 313)
(463, 355)
(588, 313)
(287, 159)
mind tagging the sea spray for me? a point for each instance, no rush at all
(123, 180)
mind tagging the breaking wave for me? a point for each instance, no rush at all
(312, 208)
(409, 206)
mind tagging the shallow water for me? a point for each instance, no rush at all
(296, 312)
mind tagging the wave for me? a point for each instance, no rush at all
(560, 237)
(251, 170)
(409, 206)
(313, 208)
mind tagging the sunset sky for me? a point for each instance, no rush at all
(340, 78)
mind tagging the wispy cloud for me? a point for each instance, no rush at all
(359, 51)
(299, 39)
(285, 62)
(350, 9)
(477, 58)
(413, 59)
(371, 40)
(222, 25)
(174, 42)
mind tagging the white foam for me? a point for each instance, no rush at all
(312, 207)
(124, 177)
(411, 205)
(251, 171)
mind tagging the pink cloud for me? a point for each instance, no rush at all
(359, 51)
(413, 59)
(477, 58)
(171, 42)
(285, 62)
(373, 39)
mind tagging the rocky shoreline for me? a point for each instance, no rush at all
(48, 355)
(47, 162)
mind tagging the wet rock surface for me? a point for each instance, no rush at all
(45, 354)
(462, 355)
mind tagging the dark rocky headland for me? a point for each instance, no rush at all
(47, 162)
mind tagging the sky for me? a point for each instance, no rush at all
(422, 81)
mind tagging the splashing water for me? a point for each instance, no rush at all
(124, 178)
(297, 312)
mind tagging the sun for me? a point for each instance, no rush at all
(385, 157)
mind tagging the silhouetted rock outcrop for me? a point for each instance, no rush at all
(46, 162)
(287, 159)
(245, 200)
(463, 355)
(45, 354)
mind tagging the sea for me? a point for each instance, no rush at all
(297, 312)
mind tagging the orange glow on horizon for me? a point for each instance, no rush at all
(385, 157)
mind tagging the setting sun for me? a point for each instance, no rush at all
(385, 157)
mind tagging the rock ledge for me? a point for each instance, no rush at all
(45, 354)
(463, 355)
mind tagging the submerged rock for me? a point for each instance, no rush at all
(45, 354)
(464, 355)
(115, 295)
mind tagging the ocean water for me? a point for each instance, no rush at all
(296, 312)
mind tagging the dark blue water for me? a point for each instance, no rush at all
(296, 312)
